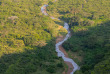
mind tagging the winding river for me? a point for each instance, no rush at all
(59, 52)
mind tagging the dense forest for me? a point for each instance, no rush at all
(27, 39)
(89, 21)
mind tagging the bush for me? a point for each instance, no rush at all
(60, 65)
(51, 69)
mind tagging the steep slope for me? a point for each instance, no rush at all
(27, 39)
(89, 44)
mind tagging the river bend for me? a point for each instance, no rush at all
(59, 52)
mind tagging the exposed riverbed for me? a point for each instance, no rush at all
(60, 52)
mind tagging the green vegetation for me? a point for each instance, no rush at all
(94, 46)
(27, 39)
(89, 21)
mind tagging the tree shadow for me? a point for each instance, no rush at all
(94, 44)
(31, 60)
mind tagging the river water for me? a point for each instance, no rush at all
(60, 53)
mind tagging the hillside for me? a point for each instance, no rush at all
(89, 44)
(27, 39)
